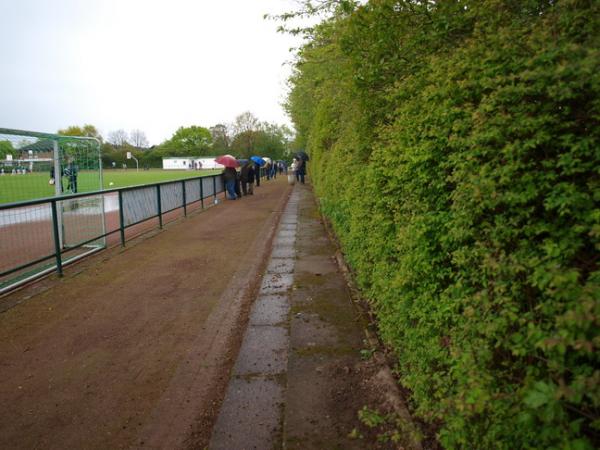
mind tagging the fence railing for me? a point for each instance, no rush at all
(41, 236)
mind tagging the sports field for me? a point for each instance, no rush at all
(15, 188)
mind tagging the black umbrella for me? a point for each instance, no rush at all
(302, 155)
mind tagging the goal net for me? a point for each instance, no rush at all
(39, 166)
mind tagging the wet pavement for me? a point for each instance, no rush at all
(299, 380)
(251, 416)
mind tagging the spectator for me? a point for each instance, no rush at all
(251, 172)
(247, 176)
(257, 174)
(300, 170)
(238, 191)
(229, 176)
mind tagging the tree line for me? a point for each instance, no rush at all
(244, 137)
(455, 147)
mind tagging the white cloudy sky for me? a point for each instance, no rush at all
(148, 64)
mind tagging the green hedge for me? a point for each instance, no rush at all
(456, 150)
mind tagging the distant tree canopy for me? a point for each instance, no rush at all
(221, 139)
(189, 141)
(253, 137)
(118, 138)
(6, 148)
(86, 130)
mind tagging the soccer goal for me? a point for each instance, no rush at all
(35, 167)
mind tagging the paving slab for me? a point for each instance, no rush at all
(264, 351)
(288, 226)
(274, 283)
(270, 310)
(281, 265)
(250, 416)
(283, 252)
(286, 241)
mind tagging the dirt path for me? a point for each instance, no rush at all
(134, 348)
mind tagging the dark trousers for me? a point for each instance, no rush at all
(230, 187)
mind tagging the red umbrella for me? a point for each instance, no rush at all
(227, 161)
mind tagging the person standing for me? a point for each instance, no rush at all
(257, 174)
(229, 176)
(71, 172)
(300, 170)
(238, 191)
(274, 170)
(250, 179)
(245, 176)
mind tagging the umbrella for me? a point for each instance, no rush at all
(258, 160)
(302, 155)
(243, 162)
(227, 161)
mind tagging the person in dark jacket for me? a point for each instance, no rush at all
(257, 174)
(71, 172)
(238, 190)
(247, 176)
(229, 178)
(300, 170)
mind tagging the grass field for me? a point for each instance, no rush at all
(15, 188)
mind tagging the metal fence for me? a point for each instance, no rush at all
(41, 236)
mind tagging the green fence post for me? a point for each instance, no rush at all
(215, 186)
(121, 219)
(57, 248)
(202, 192)
(159, 206)
(184, 198)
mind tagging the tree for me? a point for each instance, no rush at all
(221, 140)
(244, 143)
(245, 122)
(264, 138)
(6, 148)
(118, 138)
(188, 141)
(245, 127)
(138, 139)
(87, 130)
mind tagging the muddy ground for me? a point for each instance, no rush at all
(133, 347)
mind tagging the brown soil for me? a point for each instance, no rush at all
(133, 347)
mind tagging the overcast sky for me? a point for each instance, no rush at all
(155, 65)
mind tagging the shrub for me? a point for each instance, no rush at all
(457, 154)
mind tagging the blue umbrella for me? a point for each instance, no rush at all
(258, 160)
(243, 162)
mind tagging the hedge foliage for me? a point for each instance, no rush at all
(455, 146)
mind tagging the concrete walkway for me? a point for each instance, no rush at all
(299, 380)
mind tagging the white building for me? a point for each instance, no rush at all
(207, 162)
(190, 163)
(178, 162)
